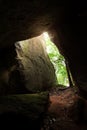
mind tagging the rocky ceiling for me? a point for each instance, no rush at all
(22, 19)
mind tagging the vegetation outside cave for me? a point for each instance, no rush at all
(58, 62)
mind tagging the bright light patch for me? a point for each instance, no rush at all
(57, 60)
(46, 36)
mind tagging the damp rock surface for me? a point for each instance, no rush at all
(67, 111)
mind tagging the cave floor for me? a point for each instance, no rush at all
(66, 111)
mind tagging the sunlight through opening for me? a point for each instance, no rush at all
(57, 60)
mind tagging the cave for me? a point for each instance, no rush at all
(30, 98)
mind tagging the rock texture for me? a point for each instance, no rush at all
(65, 20)
(24, 111)
(35, 64)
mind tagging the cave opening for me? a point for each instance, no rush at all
(42, 63)
(57, 60)
(28, 98)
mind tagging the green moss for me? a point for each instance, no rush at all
(31, 105)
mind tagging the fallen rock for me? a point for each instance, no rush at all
(23, 111)
(35, 65)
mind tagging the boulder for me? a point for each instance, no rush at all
(23, 111)
(35, 64)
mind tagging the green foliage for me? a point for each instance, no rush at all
(58, 61)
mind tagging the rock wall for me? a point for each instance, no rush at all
(35, 64)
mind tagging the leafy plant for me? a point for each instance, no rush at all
(58, 61)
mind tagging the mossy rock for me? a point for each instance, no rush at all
(23, 111)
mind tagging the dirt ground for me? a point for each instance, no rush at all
(67, 111)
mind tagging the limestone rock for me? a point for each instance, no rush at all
(35, 64)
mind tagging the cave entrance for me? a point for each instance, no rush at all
(57, 60)
(41, 63)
